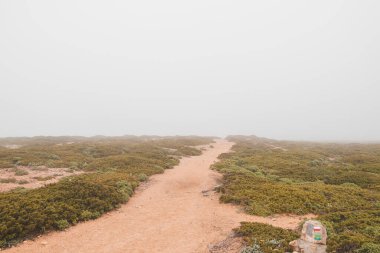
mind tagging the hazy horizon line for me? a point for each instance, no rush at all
(344, 141)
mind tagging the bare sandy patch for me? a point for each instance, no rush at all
(12, 146)
(277, 147)
(31, 177)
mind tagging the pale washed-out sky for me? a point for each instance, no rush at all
(300, 69)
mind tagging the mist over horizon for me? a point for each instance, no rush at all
(342, 141)
(276, 69)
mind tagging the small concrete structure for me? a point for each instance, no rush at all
(313, 238)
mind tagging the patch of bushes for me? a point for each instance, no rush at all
(303, 161)
(88, 215)
(36, 211)
(255, 248)
(142, 177)
(10, 180)
(188, 151)
(20, 172)
(43, 168)
(340, 182)
(28, 213)
(262, 195)
(369, 248)
(352, 231)
(43, 178)
(265, 238)
(78, 152)
(62, 224)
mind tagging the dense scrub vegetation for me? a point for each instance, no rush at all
(266, 238)
(115, 166)
(339, 182)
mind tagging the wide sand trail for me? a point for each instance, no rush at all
(168, 214)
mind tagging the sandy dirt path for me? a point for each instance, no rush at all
(168, 214)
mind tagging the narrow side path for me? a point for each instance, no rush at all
(169, 214)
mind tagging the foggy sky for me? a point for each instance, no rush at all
(305, 70)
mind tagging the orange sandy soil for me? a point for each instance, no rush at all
(176, 211)
(34, 178)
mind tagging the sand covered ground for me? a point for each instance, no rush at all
(31, 177)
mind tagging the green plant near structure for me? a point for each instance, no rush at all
(338, 182)
(265, 238)
(116, 166)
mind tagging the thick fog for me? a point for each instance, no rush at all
(304, 70)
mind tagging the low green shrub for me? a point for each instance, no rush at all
(62, 224)
(22, 181)
(43, 178)
(142, 177)
(349, 231)
(8, 180)
(255, 248)
(265, 238)
(20, 172)
(369, 248)
(88, 215)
